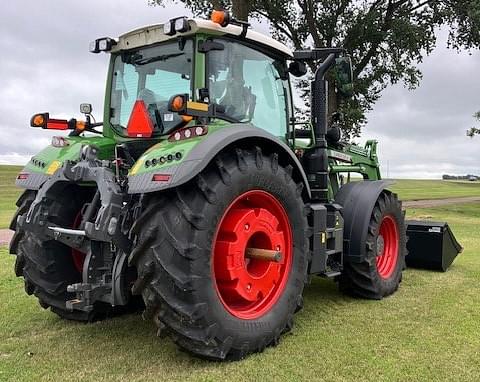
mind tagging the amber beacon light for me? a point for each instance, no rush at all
(220, 17)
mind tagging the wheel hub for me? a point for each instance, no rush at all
(249, 286)
(387, 247)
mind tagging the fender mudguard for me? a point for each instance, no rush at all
(358, 200)
(203, 153)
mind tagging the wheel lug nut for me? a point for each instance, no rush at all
(249, 287)
(277, 248)
(247, 227)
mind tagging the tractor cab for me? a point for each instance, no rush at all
(242, 74)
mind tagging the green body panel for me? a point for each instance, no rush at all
(352, 159)
(165, 147)
(199, 66)
(51, 154)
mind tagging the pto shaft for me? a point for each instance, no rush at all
(263, 254)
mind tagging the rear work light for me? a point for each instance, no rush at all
(179, 24)
(104, 44)
(188, 132)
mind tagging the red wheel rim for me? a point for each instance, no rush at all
(248, 288)
(387, 247)
(77, 256)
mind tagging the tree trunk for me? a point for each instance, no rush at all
(241, 9)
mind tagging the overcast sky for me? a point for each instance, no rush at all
(46, 66)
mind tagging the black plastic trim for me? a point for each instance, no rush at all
(358, 200)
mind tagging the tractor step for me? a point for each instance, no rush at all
(331, 274)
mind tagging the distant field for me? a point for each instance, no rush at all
(434, 189)
(407, 190)
(8, 193)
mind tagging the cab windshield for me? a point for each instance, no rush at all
(153, 75)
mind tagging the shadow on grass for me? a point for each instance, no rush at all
(131, 333)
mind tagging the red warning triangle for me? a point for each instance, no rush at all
(140, 124)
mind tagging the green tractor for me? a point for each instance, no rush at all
(202, 193)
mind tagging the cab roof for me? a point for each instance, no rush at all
(152, 34)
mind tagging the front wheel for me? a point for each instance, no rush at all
(198, 277)
(380, 272)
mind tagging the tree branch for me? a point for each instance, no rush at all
(311, 21)
(290, 32)
(391, 8)
(413, 9)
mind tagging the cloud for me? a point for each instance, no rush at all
(46, 66)
(421, 133)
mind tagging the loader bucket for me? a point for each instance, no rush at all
(431, 245)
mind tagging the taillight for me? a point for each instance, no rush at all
(22, 176)
(188, 132)
(59, 142)
(57, 124)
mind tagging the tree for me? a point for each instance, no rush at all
(474, 130)
(386, 39)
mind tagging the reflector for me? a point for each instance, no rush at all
(22, 176)
(161, 177)
(57, 124)
(139, 125)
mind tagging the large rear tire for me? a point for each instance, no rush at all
(190, 255)
(380, 273)
(48, 266)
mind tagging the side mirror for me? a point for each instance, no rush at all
(344, 76)
(85, 108)
(297, 68)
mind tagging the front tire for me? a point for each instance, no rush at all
(380, 272)
(194, 278)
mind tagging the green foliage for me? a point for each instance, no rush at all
(386, 38)
(474, 130)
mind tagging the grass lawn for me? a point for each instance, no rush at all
(428, 330)
(8, 193)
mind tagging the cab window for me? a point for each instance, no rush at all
(152, 75)
(248, 87)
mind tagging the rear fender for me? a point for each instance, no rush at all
(44, 164)
(358, 200)
(205, 151)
